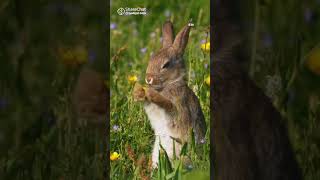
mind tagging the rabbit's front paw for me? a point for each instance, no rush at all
(151, 94)
(138, 92)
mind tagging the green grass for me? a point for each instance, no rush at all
(39, 136)
(133, 33)
(285, 34)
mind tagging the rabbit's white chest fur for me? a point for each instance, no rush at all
(159, 119)
(160, 122)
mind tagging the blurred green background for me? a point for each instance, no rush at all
(43, 46)
(284, 61)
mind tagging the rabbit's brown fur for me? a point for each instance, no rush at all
(172, 107)
(249, 136)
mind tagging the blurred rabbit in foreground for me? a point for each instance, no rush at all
(90, 98)
(249, 135)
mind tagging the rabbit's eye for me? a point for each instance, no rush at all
(166, 65)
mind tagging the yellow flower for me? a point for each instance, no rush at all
(207, 80)
(132, 78)
(114, 156)
(205, 47)
(313, 61)
(73, 56)
(81, 54)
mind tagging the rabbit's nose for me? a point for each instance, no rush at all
(149, 80)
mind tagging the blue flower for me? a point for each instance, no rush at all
(206, 65)
(203, 41)
(308, 15)
(143, 50)
(3, 103)
(113, 26)
(116, 128)
(92, 56)
(267, 40)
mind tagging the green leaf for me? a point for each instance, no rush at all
(174, 149)
(197, 174)
(193, 141)
(184, 149)
(166, 167)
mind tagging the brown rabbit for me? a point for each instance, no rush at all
(172, 107)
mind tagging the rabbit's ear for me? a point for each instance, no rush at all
(167, 33)
(181, 39)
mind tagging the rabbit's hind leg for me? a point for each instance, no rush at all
(155, 153)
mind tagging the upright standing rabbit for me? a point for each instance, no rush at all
(172, 107)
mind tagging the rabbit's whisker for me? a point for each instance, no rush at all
(177, 80)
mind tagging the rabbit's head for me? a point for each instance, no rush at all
(167, 66)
